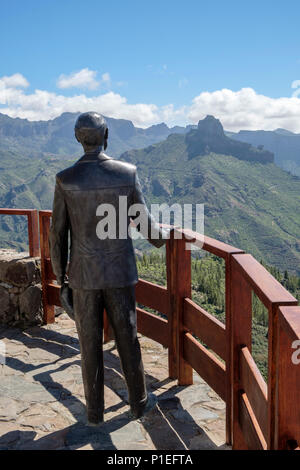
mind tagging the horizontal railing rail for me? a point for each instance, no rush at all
(203, 325)
(259, 415)
(255, 388)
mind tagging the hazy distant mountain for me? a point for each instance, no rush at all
(56, 137)
(284, 144)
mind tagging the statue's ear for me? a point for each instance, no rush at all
(76, 136)
(105, 139)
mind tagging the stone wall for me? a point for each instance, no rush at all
(20, 289)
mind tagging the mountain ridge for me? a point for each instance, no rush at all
(284, 144)
(56, 136)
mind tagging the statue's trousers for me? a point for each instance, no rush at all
(119, 304)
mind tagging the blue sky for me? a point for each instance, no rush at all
(161, 54)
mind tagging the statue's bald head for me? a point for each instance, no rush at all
(91, 131)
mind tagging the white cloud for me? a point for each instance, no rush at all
(13, 81)
(243, 109)
(296, 84)
(85, 78)
(43, 105)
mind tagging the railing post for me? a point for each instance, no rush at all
(49, 313)
(228, 349)
(272, 373)
(33, 233)
(287, 427)
(240, 326)
(179, 287)
(273, 370)
(171, 320)
(107, 329)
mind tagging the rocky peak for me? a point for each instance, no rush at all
(158, 129)
(211, 127)
(209, 137)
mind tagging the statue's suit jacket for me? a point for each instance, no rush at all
(96, 263)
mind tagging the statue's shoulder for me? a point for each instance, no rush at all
(105, 167)
(62, 175)
(119, 165)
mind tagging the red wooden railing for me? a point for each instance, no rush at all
(258, 415)
(33, 233)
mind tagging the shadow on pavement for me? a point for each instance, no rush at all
(169, 426)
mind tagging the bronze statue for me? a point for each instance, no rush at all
(102, 271)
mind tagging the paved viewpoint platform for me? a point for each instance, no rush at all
(42, 403)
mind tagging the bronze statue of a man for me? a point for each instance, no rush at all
(102, 271)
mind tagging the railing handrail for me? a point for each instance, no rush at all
(216, 247)
(289, 319)
(265, 286)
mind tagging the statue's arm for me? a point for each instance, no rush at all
(149, 228)
(58, 237)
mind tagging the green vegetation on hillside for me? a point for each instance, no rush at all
(25, 183)
(208, 290)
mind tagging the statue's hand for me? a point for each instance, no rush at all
(61, 280)
(66, 299)
(172, 229)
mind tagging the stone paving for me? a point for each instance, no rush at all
(42, 403)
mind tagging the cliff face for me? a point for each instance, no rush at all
(209, 137)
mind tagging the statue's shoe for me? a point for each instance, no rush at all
(150, 405)
(95, 425)
(94, 418)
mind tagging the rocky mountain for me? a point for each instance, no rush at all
(249, 201)
(284, 144)
(209, 137)
(56, 137)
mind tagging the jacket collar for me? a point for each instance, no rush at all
(93, 157)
